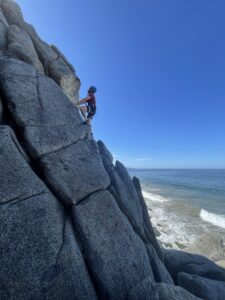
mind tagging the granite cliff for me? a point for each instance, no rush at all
(73, 225)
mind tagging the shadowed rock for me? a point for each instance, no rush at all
(149, 231)
(75, 172)
(126, 195)
(178, 261)
(148, 290)
(116, 256)
(202, 287)
(39, 255)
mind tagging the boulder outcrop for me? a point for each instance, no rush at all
(22, 41)
(72, 224)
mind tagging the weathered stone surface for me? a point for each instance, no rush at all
(127, 195)
(3, 19)
(149, 232)
(127, 198)
(148, 290)
(202, 287)
(34, 99)
(39, 256)
(160, 272)
(68, 278)
(75, 172)
(62, 74)
(45, 53)
(178, 261)
(111, 246)
(20, 44)
(12, 12)
(3, 31)
(17, 182)
(61, 55)
(47, 139)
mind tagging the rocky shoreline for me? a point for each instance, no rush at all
(63, 237)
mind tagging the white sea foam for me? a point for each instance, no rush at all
(153, 197)
(213, 218)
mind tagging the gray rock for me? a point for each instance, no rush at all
(64, 77)
(149, 231)
(148, 290)
(62, 56)
(202, 287)
(127, 198)
(3, 31)
(178, 261)
(39, 256)
(160, 272)
(17, 182)
(75, 172)
(45, 53)
(20, 44)
(12, 12)
(47, 139)
(34, 99)
(1, 112)
(3, 19)
(116, 256)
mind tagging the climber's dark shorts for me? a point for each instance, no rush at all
(91, 110)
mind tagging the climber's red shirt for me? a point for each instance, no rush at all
(91, 100)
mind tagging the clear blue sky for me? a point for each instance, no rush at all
(159, 67)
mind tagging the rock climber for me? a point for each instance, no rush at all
(88, 111)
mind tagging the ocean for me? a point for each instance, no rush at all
(184, 204)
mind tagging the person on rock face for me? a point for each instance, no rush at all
(88, 111)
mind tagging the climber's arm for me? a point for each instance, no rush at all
(84, 100)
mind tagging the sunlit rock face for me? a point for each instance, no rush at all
(22, 41)
(72, 224)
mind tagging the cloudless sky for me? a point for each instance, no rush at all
(159, 67)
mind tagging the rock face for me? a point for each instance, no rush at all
(22, 41)
(197, 274)
(72, 224)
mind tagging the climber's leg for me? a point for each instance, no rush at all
(83, 110)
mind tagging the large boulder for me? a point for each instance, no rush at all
(64, 77)
(116, 256)
(52, 130)
(39, 256)
(75, 172)
(20, 45)
(148, 290)
(12, 12)
(126, 195)
(179, 261)
(148, 228)
(204, 288)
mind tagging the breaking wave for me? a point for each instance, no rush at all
(213, 218)
(153, 197)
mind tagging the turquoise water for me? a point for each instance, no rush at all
(189, 202)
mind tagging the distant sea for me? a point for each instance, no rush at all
(184, 204)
